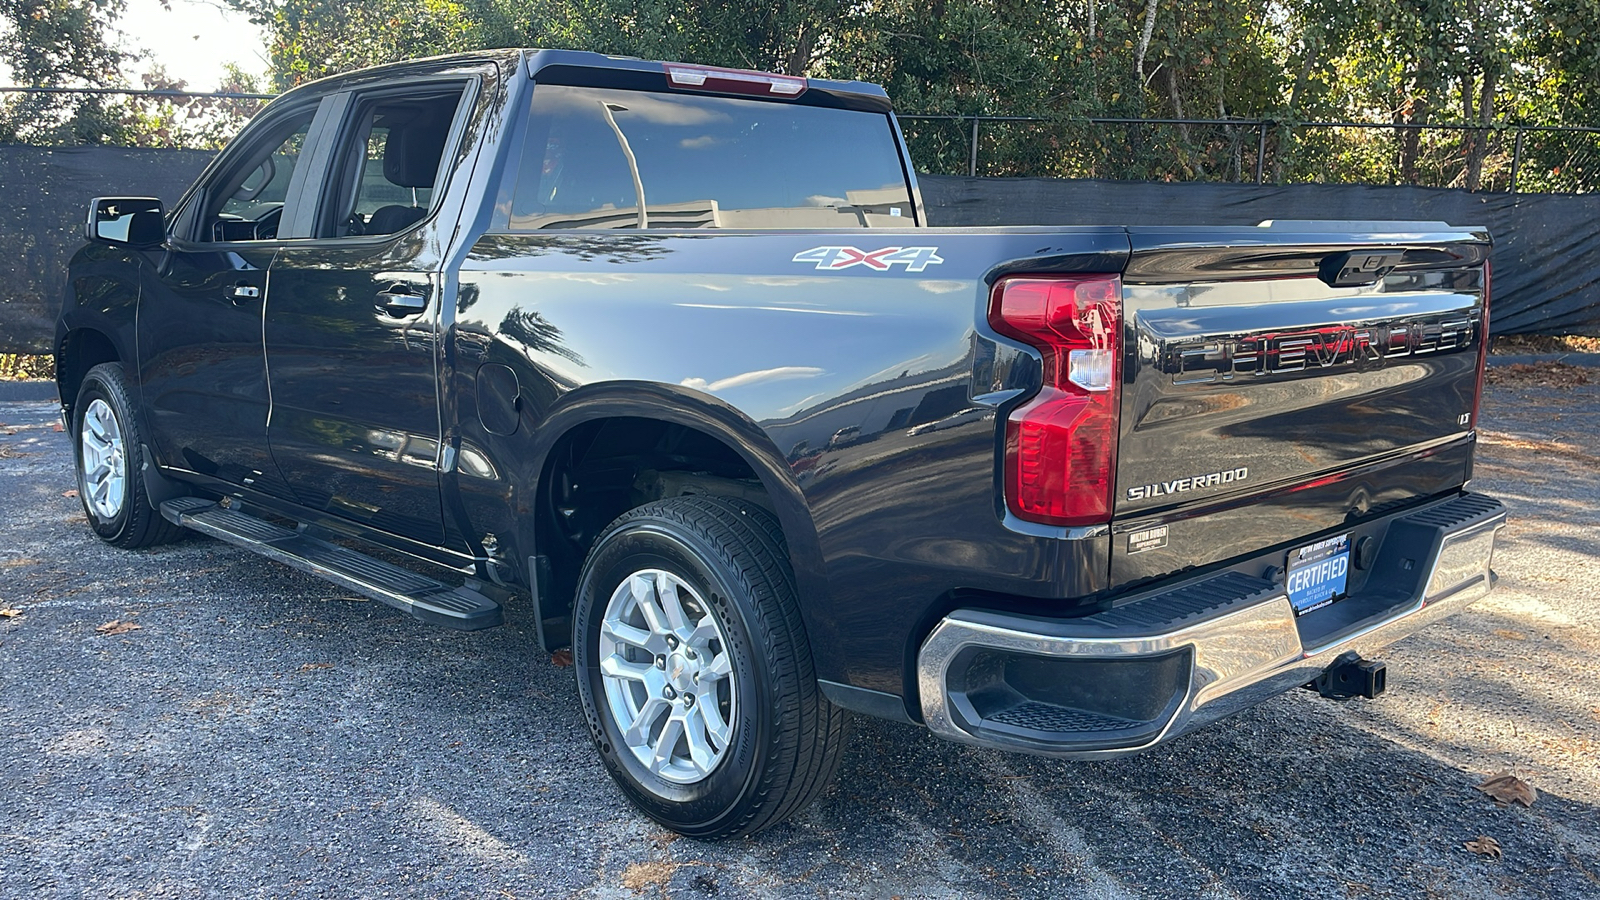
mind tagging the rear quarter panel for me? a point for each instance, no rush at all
(875, 394)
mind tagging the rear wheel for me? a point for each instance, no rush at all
(694, 669)
(107, 445)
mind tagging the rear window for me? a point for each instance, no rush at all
(704, 162)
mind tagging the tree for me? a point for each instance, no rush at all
(56, 44)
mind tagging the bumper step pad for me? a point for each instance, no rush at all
(429, 600)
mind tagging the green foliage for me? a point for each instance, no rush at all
(60, 43)
(1485, 63)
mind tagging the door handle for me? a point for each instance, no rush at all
(242, 291)
(401, 302)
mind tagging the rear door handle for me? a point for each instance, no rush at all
(399, 302)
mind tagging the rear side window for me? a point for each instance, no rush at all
(704, 162)
(389, 161)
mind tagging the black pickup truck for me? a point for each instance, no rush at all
(765, 448)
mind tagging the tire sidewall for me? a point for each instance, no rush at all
(651, 543)
(95, 388)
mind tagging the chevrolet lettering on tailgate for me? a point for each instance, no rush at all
(1210, 360)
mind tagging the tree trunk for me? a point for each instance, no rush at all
(1478, 146)
(1307, 65)
(800, 57)
(1416, 114)
(1144, 45)
(1198, 167)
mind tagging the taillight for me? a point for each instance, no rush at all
(1483, 347)
(735, 81)
(1061, 446)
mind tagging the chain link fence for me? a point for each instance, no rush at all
(1502, 157)
(1526, 158)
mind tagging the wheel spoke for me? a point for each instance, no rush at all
(638, 734)
(671, 603)
(622, 632)
(721, 666)
(616, 667)
(705, 631)
(715, 726)
(644, 594)
(701, 753)
(666, 744)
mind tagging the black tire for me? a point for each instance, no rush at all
(786, 738)
(136, 523)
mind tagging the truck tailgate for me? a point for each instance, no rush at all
(1269, 394)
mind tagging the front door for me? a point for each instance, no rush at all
(352, 337)
(201, 365)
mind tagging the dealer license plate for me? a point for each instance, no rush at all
(1316, 574)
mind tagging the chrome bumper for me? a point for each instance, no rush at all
(1174, 675)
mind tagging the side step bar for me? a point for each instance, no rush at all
(425, 598)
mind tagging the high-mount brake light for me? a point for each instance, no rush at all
(1483, 348)
(1061, 446)
(735, 81)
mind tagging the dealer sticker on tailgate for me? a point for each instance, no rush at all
(1317, 574)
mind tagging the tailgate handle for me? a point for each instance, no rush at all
(1356, 268)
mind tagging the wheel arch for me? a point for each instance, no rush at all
(79, 350)
(698, 412)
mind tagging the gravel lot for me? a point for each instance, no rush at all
(263, 735)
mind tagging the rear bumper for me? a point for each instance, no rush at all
(1173, 659)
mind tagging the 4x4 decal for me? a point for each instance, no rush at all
(834, 258)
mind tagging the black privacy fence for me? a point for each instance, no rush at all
(1546, 246)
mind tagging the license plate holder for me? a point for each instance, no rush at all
(1317, 575)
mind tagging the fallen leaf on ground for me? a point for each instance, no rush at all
(1484, 846)
(639, 877)
(312, 666)
(10, 613)
(71, 493)
(561, 658)
(116, 627)
(1548, 374)
(58, 427)
(1507, 789)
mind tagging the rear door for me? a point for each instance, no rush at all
(352, 331)
(1290, 379)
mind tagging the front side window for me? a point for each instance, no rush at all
(246, 204)
(601, 158)
(389, 162)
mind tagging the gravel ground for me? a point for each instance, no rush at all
(263, 735)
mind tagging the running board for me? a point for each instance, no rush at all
(431, 601)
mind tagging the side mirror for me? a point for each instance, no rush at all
(127, 221)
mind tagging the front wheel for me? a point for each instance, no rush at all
(107, 446)
(694, 669)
